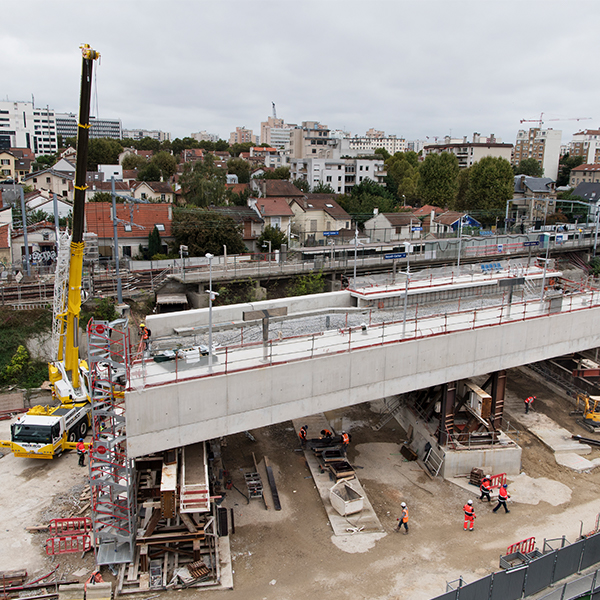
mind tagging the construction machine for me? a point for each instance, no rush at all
(589, 408)
(46, 431)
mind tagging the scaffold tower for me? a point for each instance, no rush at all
(112, 479)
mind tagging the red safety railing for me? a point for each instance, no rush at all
(524, 546)
(74, 525)
(498, 480)
(68, 543)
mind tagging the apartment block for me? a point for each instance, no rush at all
(140, 134)
(372, 140)
(204, 136)
(541, 144)
(313, 140)
(588, 173)
(342, 174)
(587, 144)
(66, 125)
(22, 125)
(241, 135)
(468, 153)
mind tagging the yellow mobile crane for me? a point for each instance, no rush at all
(46, 431)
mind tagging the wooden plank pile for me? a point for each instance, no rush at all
(174, 549)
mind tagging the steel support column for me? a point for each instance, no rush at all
(447, 413)
(498, 391)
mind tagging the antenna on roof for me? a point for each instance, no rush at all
(274, 111)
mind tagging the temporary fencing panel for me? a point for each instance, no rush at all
(73, 525)
(567, 560)
(591, 551)
(478, 590)
(523, 546)
(539, 573)
(498, 480)
(508, 585)
(66, 544)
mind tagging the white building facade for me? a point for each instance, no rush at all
(541, 144)
(22, 125)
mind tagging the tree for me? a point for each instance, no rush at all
(278, 173)
(236, 149)
(530, 167)
(148, 143)
(103, 151)
(105, 197)
(150, 172)
(302, 185)
(239, 167)
(202, 183)
(273, 235)
(567, 163)
(460, 202)
(238, 199)
(402, 169)
(154, 243)
(364, 198)
(491, 185)
(134, 161)
(166, 163)
(204, 231)
(438, 179)
(323, 188)
(382, 152)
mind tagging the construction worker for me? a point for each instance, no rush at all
(326, 434)
(529, 402)
(302, 434)
(403, 520)
(81, 452)
(486, 488)
(145, 335)
(469, 515)
(503, 496)
(345, 441)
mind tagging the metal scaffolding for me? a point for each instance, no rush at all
(112, 480)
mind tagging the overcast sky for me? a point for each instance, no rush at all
(415, 69)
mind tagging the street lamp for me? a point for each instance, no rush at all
(264, 245)
(460, 224)
(210, 300)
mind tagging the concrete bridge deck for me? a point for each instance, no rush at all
(251, 386)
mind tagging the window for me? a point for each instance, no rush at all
(47, 179)
(45, 236)
(5, 161)
(328, 226)
(276, 222)
(127, 251)
(127, 227)
(313, 225)
(35, 180)
(160, 227)
(163, 197)
(328, 178)
(143, 196)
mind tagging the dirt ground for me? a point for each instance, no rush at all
(290, 554)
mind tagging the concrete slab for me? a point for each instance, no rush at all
(364, 523)
(552, 435)
(226, 570)
(574, 461)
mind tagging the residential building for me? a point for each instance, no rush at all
(241, 135)
(312, 140)
(270, 157)
(342, 174)
(449, 222)
(392, 227)
(5, 245)
(276, 133)
(586, 144)
(468, 153)
(154, 191)
(588, 191)
(274, 211)
(315, 214)
(98, 185)
(140, 134)
(204, 136)
(110, 171)
(541, 144)
(533, 200)
(14, 164)
(43, 200)
(275, 188)
(41, 239)
(191, 155)
(136, 222)
(64, 166)
(588, 173)
(372, 140)
(22, 125)
(52, 181)
(250, 222)
(66, 125)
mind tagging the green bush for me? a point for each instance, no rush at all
(312, 283)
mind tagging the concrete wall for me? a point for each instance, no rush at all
(185, 413)
(167, 324)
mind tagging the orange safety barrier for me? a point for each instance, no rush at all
(72, 526)
(67, 544)
(524, 546)
(498, 480)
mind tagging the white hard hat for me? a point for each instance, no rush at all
(489, 476)
(403, 505)
(470, 502)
